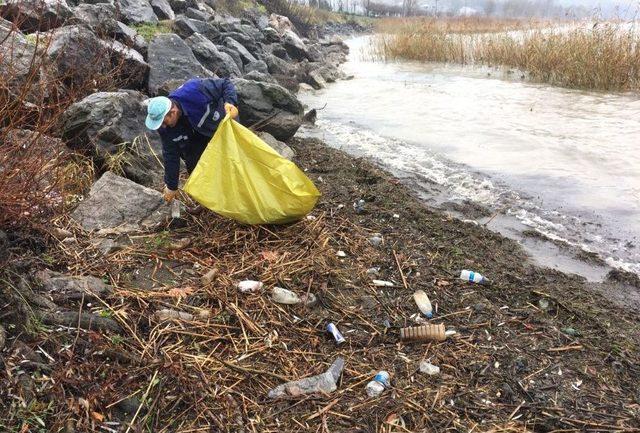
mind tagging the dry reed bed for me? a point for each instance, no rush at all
(605, 56)
(508, 369)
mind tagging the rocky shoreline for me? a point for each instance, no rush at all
(117, 318)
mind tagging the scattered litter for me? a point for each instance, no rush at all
(311, 218)
(333, 329)
(449, 333)
(386, 323)
(428, 368)
(396, 216)
(180, 244)
(379, 383)
(382, 283)
(473, 277)
(249, 286)
(175, 209)
(341, 254)
(168, 314)
(376, 239)
(543, 304)
(474, 222)
(372, 272)
(322, 383)
(576, 385)
(340, 206)
(208, 277)
(428, 332)
(423, 303)
(359, 206)
(571, 332)
(284, 296)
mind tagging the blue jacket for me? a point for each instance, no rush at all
(202, 104)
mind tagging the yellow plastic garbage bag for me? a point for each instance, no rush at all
(241, 177)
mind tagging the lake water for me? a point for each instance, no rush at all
(565, 163)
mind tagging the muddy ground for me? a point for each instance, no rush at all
(535, 351)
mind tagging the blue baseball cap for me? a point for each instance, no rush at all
(157, 108)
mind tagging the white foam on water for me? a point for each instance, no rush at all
(416, 165)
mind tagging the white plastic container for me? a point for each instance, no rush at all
(473, 277)
(249, 286)
(423, 303)
(382, 283)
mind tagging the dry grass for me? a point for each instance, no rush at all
(603, 57)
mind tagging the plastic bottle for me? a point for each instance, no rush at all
(473, 277)
(284, 296)
(423, 303)
(175, 209)
(428, 332)
(378, 384)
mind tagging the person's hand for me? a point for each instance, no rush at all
(169, 194)
(231, 110)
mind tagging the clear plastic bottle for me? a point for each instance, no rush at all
(378, 384)
(473, 277)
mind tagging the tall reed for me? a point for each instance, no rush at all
(604, 56)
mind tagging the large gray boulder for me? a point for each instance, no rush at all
(294, 46)
(162, 9)
(272, 107)
(185, 27)
(131, 38)
(16, 58)
(170, 58)
(246, 41)
(36, 15)
(110, 127)
(79, 55)
(118, 205)
(137, 12)
(258, 66)
(277, 145)
(236, 46)
(220, 63)
(100, 17)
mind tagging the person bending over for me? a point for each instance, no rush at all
(186, 121)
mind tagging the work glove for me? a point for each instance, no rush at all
(231, 110)
(169, 194)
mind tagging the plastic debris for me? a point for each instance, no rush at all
(284, 296)
(333, 330)
(208, 277)
(396, 216)
(169, 314)
(428, 332)
(571, 332)
(376, 239)
(543, 304)
(326, 383)
(474, 277)
(359, 206)
(249, 286)
(175, 209)
(449, 333)
(341, 254)
(428, 368)
(372, 272)
(382, 283)
(379, 383)
(423, 303)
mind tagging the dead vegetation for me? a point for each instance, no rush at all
(534, 352)
(38, 174)
(601, 56)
